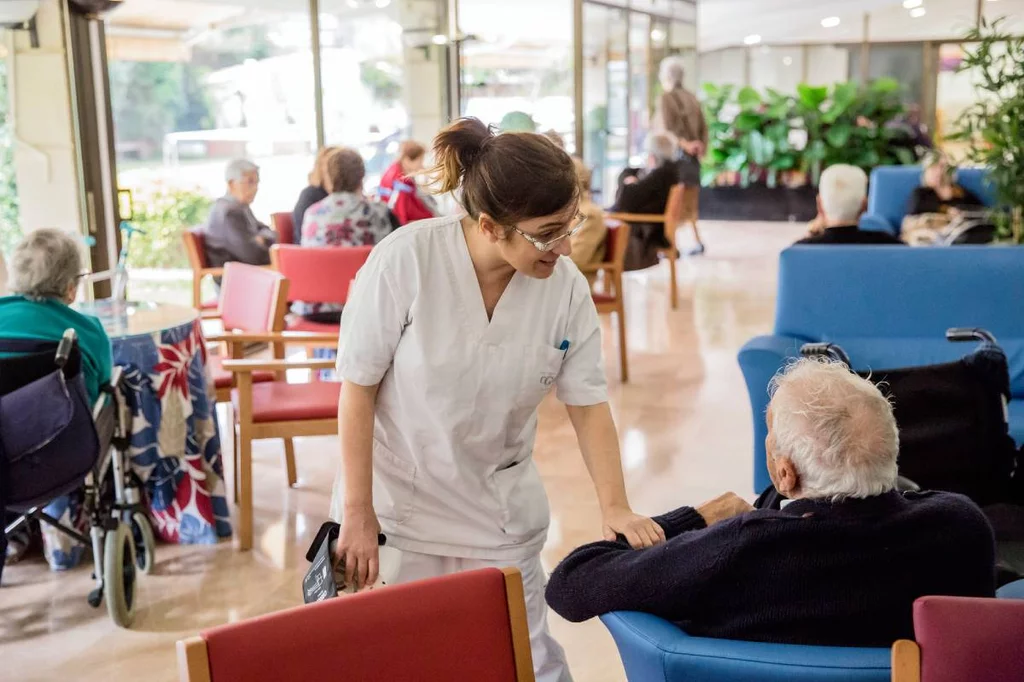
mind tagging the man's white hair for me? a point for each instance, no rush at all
(836, 427)
(662, 146)
(672, 72)
(45, 264)
(238, 169)
(842, 190)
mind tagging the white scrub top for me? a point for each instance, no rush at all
(456, 412)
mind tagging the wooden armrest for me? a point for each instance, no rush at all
(596, 267)
(311, 339)
(249, 366)
(636, 217)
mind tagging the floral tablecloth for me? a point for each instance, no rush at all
(175, 446)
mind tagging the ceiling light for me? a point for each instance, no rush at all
(918, 12)
(911, 4)
(752, 39)
(382, 3)
(439, 39)
(830, 22)
(657, 35)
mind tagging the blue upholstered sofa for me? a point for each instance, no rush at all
(889, 307)
(891, 187)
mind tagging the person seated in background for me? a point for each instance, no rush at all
(842, 198)
(588, 244)
(937, 203)
(344, 218)
(232, 232)
(315, 191)
(646, 191)
(839, 565)
(398, 186)
(555, 138)
(45, 269)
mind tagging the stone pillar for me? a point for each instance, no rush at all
(423, 89)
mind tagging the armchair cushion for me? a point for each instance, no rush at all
(277, 401)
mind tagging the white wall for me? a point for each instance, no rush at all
(723, 66)
(44, 148)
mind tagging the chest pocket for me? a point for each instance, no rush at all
(540, 368)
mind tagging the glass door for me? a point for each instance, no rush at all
(639, 85)
(605, 97)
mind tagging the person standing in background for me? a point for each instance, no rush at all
(316, 191)
(399, 189)
(679, 112)
(232, 231)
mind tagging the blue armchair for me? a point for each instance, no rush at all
(654, 650)
(888, 307)
(891, 187)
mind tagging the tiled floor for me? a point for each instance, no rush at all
(683, 421)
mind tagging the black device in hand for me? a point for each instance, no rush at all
(322, 581)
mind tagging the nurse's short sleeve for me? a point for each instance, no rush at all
(582, 380)
(371, 325)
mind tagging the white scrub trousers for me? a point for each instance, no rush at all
(548, 656)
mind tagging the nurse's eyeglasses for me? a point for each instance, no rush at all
(552, 243)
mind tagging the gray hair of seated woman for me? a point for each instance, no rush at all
(662, 146)
(46, 264)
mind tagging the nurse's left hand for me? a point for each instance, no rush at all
(639, 531)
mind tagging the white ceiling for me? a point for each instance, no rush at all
(725, 23)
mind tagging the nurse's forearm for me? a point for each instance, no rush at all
(355, 418)
(599, 443)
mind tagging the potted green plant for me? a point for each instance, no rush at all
(993, 127)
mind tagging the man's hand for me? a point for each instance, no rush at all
(723, 507)
(638, 530)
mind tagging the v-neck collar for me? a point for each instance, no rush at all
(473, 297)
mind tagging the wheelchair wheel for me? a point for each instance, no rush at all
(145, 542)
(119, 575)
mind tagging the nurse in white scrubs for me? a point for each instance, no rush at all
(455, 331)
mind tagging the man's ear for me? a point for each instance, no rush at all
(491, 229)
(786, 476)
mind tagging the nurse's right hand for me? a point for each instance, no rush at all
(357, 546)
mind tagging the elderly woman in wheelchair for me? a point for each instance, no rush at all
(63, 424)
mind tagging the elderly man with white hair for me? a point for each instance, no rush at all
(839, 565)
(842, 198)
(646, 191)
(232, 231)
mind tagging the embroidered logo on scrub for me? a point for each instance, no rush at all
(547, 379)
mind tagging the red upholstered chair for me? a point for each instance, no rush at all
(670, 219)
(611, 299)
(195, 248)
(960, 639)
(284, 225)
(465, 627)
(321, 274)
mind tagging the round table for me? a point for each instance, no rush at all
(175, 444)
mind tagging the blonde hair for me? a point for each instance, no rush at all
(318, 176)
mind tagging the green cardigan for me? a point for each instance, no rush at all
(46, 320)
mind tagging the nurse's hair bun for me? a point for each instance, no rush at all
(511, 177)
(456, 149)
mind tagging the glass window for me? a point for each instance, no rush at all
(516, 68)
(722, 67)
(10, 221)
(828, 64)
(194, 85)
(640, 69)
(902, 62)
(605, 87)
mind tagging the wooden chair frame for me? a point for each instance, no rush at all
(197, 262)
(612, 268)
(670, 219)
(194, 657)
(906, 661)
(246, 430)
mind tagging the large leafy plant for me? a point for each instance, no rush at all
(993, 126)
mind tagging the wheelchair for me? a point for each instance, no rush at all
(52, 443)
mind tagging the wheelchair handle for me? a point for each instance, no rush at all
(67, 342)
(809, 350)
(957, 334)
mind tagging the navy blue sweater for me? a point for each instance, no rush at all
(839, 574)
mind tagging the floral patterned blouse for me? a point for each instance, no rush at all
(343, 219)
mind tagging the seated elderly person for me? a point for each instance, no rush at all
(588, 243)
(44, 272)
(937, 203)
(842, 198)
(839, 565)
(232, 231)
(646, 191)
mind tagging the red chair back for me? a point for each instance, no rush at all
(616, 241)
(457, 627)
(284, 225)
(321, 274)
(252, 299)
(965, 638)
(195, 247)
